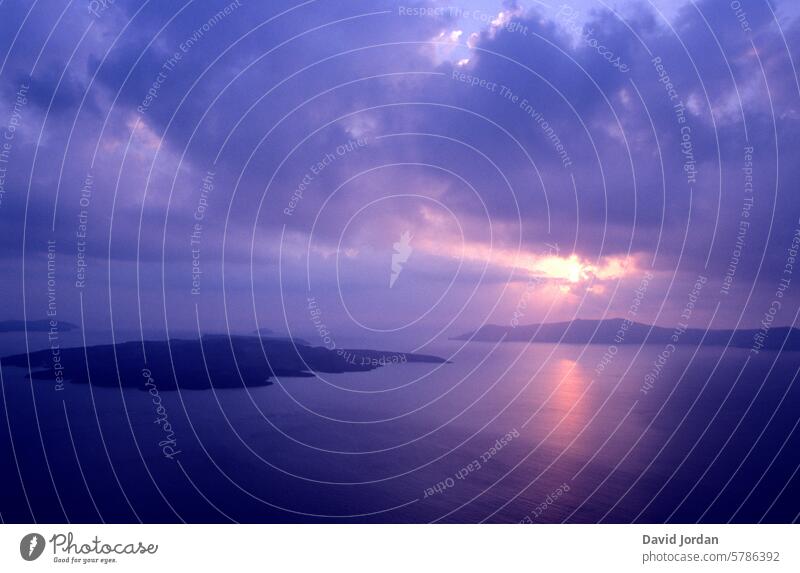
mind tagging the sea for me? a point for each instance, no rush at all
(501, 433)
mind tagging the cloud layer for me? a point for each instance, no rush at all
(226, 163)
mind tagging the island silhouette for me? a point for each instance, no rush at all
(214, 360)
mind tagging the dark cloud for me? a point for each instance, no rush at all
(567, 137)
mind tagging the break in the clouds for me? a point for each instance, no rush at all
(237, 164)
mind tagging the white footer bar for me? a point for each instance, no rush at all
(389, 548)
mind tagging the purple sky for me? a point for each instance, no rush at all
(304, 140)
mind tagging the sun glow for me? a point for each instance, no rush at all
(566, 268)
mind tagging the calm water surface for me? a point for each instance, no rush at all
(504, 433)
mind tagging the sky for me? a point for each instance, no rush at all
(377, 168)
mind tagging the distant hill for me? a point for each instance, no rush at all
(608, 332)
(34, 326)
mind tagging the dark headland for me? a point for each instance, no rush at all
(217, 361)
